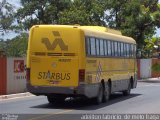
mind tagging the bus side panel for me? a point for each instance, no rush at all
(118, 70)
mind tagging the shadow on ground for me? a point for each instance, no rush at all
(86, 104)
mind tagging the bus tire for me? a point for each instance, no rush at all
(128, 91)
(53, 100)
(99, 97)
(106, 93)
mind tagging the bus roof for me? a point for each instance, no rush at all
(98, 31)
(106, 33)
(102, 29)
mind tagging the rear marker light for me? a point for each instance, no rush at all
(81, 75)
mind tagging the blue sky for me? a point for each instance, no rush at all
(158, 32)
(17, 5)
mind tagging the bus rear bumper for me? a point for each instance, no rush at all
(82, 90)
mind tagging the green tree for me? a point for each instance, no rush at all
(113, 16)
(135, 18)
(17, 46)
(6, 16)
(2, 45)
(84, 12)
(151, 46)
(40, 12)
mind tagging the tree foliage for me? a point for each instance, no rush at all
(6, 16)
(151, 47)
(135, 18)
(84, 12)
(40, 12)
(15, 47)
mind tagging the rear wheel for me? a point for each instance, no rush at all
(99, 97)
(53, 100)
(128, 91)
(106, 93)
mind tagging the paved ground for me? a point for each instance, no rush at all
(143, 100)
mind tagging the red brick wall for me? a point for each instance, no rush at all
(155, 67)
(3, 76)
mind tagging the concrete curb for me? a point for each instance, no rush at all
(3, 97)
(150, 80)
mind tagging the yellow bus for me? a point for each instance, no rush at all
(79, 61)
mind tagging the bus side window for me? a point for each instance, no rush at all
(97, 47)
(88, 49)
(116, 48)
(112, 44)
(128, 50)
(135, 49)
(109, 47)
(105, 47)
(93, 47)
(125, 49)
(101, 48)
(132, 50)
(119, 48)
(122, 49)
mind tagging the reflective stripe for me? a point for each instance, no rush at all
(99, 71)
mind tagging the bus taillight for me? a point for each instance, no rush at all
(28, 74)
(81, 75)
